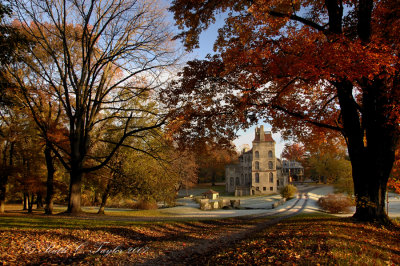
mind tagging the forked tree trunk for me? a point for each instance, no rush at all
(106, 193)
(371, 141)
(104, 200)
(30, 203)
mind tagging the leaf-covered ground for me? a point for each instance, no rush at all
(313, 241)
(301, 240)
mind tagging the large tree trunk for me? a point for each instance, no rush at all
(75, 192)
(79, 143)
(50, 180)
(371, 139)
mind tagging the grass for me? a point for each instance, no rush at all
(90, 211)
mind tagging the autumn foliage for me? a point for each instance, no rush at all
(310, 68)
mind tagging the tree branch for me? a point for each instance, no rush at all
(297, 18)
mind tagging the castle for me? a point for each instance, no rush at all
(258, 171)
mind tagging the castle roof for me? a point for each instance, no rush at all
(268, 137)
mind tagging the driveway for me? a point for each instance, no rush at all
(259, 205)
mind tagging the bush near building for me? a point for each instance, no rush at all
(288, 192)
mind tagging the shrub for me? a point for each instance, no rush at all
(336, 203)
(288, 191)
(145, 205)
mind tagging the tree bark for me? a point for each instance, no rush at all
(75, 192)
(371, 139)
(50, 180)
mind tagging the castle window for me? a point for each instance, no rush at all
(237, 181)
(264, 189)
(270, 165)
(257, 165)
(270, 154)
(257, 154)
(271, 177)
(271, 188)
(232, 182)
(257, 178)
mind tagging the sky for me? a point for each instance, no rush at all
(206, 43)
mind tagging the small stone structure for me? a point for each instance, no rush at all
(211, 194)
(208, 204)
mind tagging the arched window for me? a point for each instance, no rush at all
(270, 154)
(257, 165)
(257, 178)
(271, 177)
(232, 182)
(270, 165)
(257, 154)
(237, 181)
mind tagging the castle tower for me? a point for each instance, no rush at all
(264, 173)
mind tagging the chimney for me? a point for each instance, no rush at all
(262, 135)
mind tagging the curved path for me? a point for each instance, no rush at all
(203, 247)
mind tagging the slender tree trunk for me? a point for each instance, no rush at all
(97, 198)
(25, 207)
(3, 183)
(213, 176)
(50, 180)
(106, 194)
(30, 202)
(104, 199)
(39, 201)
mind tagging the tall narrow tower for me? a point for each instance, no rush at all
(264, 174)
